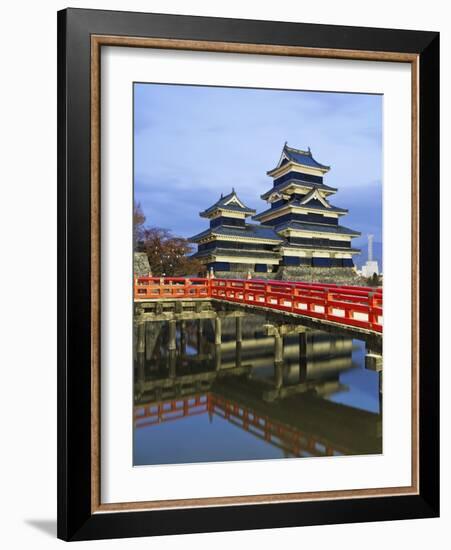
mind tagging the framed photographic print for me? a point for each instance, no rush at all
(248, 274)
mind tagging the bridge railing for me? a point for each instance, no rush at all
(348, 305)
(157, 288)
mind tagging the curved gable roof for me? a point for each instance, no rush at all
(229, 202)
(298, 156)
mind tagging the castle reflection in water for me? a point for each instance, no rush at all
(200, 398)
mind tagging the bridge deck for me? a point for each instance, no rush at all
(341, 306)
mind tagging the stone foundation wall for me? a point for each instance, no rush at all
(141, 265)
(336, 275)
(237, 275)
(244, 275)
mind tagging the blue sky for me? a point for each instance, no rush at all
(193, 143)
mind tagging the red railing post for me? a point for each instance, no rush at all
(372, 303)
(328, 299)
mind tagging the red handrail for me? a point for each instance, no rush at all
(154, 288)
(348, 305)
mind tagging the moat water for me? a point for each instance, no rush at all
(206, 401)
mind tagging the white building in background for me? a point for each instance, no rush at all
(371, 266)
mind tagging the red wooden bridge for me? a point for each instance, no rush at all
(352, 306)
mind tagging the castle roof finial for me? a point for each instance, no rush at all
(233, 189)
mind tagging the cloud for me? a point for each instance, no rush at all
(365, 209)
(192, 143)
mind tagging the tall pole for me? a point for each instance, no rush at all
(370, 247)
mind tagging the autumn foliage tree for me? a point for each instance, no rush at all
(168, 254)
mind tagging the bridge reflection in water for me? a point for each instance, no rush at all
(236, 388)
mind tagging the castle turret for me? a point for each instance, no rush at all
(300, 213)
(231, 244)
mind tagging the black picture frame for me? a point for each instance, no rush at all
(76, 521)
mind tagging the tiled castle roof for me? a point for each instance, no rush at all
(299, 156)
(218, 251)
(298, 203)
(317, 228)
(229, 202)
(285, 184)
(249, 231)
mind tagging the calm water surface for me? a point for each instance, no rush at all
(207, 401)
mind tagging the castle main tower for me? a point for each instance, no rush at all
(300, 213)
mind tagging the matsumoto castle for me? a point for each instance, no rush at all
(298, 231)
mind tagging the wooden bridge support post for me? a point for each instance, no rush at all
(172, 363)
(172, 342)
(278, 346)
(200, 331)
(218, 331)
(276, 331)
(148, 343)
(239, 329)
(239, 354)
(183, 338)
(278, 375)
(302, 356)
(218, 357)
(135, 341)
(140, 349)
(373, 361)
(141, 343)
(152, 332)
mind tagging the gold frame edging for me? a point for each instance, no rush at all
(97, 41)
